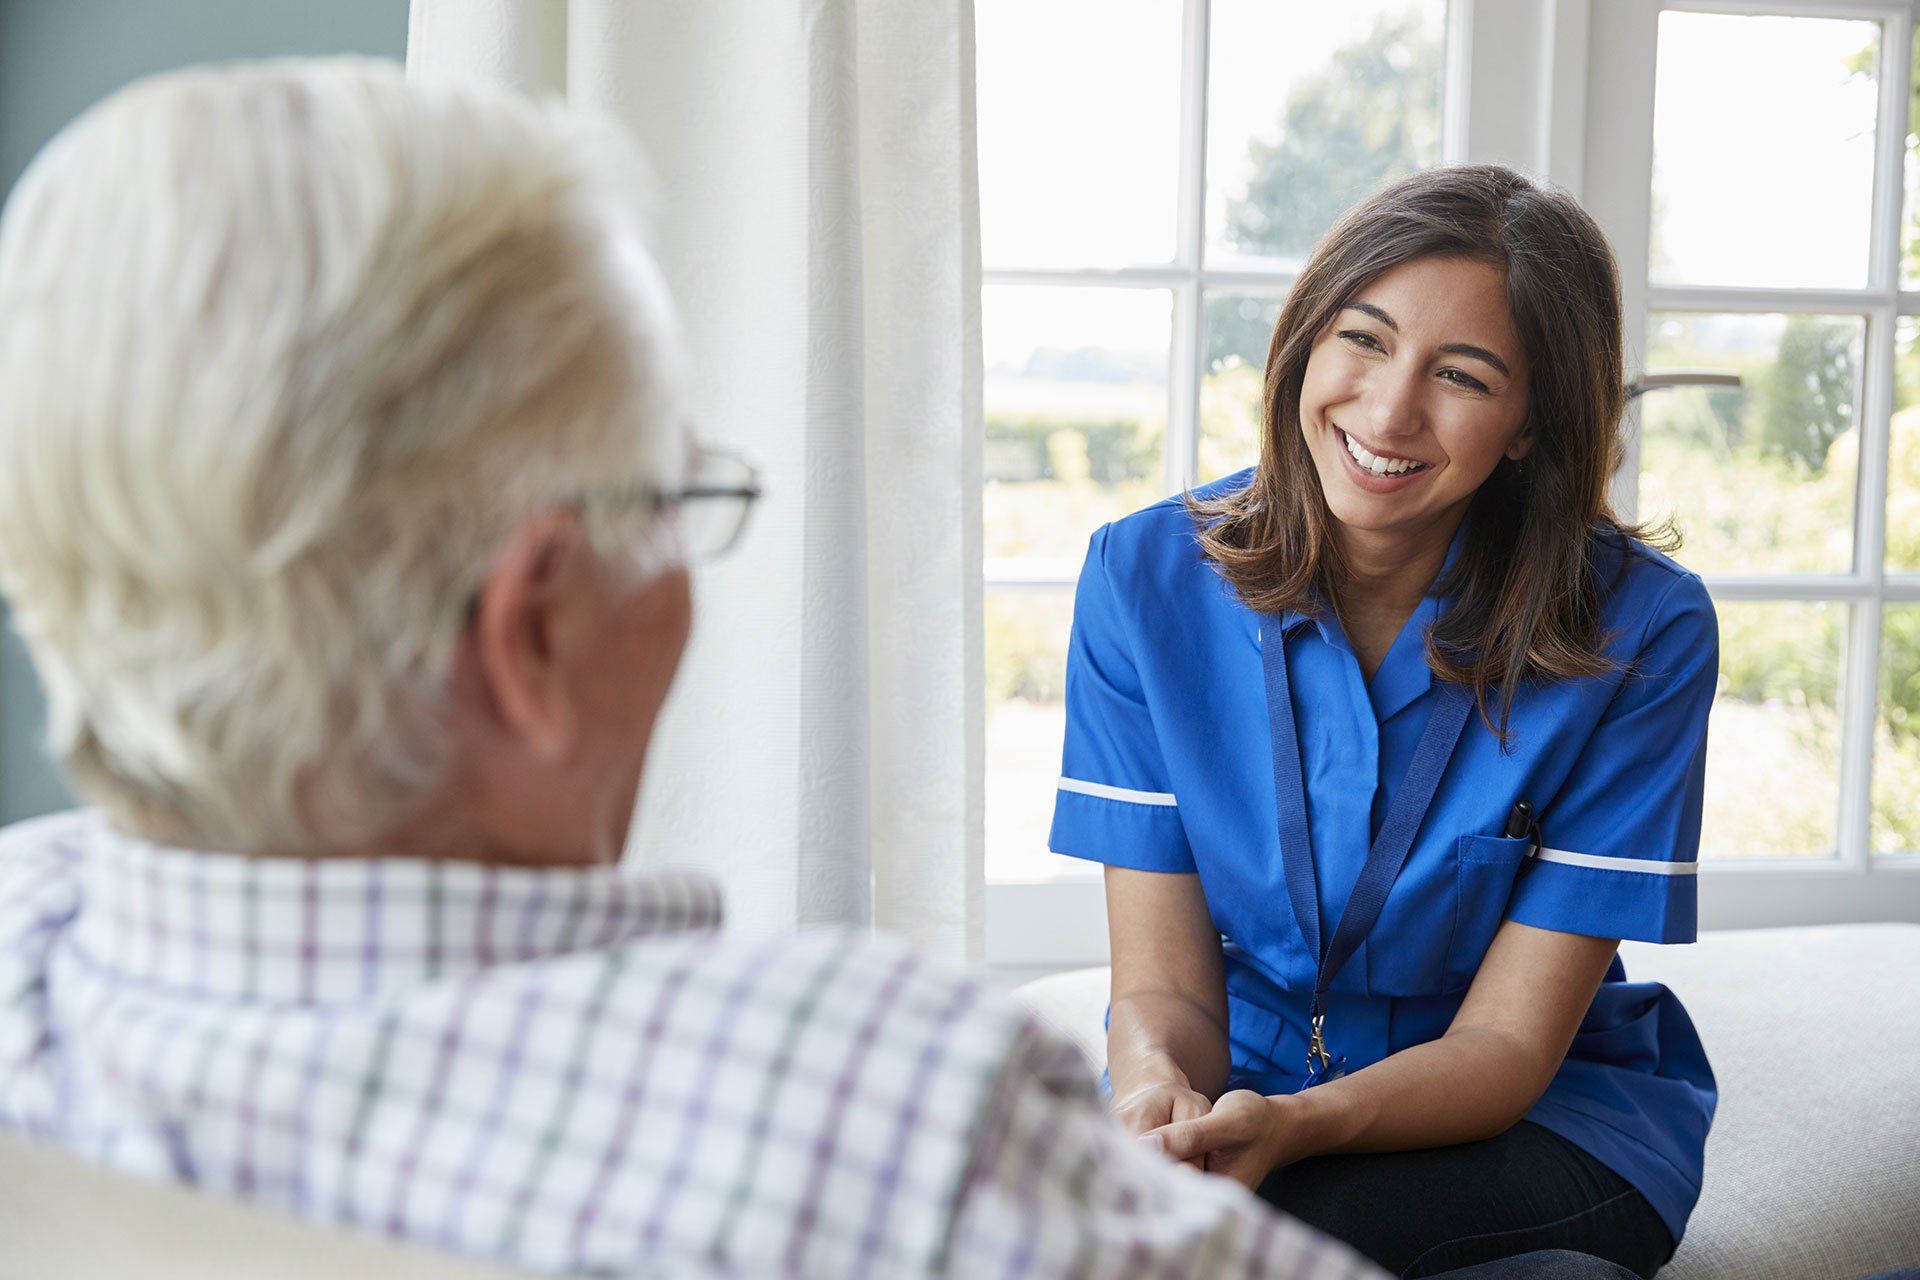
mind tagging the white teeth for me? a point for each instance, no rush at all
(1373, 462)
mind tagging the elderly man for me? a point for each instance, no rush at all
(344, 505)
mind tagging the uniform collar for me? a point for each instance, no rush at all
(1404, 674)
(326, 930)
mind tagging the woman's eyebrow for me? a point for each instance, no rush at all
(1375, 312)
(1452, 348)
(1477, 353)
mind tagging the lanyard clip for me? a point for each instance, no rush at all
(1322, 1066)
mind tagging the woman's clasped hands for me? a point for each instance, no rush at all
(1244, 1135)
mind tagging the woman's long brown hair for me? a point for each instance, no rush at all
(1525, 599)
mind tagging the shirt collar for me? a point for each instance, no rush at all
(322, 930)
(1404, 674)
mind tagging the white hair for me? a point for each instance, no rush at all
(286, 349)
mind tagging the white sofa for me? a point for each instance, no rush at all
(1813, 1168)
(62, 1219)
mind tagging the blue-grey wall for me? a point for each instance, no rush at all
(56, 58)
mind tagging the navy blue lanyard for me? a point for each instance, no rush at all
(1451, 705)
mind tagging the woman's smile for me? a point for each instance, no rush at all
(1378, 472)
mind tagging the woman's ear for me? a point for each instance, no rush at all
(1522, 443)
(520, 628)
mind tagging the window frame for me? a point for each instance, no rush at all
(1523, 78)
(1856, 883)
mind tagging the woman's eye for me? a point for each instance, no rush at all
(1362, 339)
(1466, 380)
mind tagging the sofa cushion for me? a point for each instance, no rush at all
(61, 1217)
(1813, 1167)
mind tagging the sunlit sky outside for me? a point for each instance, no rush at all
(1260, 51)
(1764, 146)
(1079, 155)
(1079, 120)
(1763, 151)
(1079, 115)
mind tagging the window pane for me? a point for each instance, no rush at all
(1239, 329)
(1758, 478)
(1026, 718)
(1903, 462)
(1312, 107)
(1896, 737)
(1773, 748)
(1076, 410)
(1763, 138)
(1079, 131)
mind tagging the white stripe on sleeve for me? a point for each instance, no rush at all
(1105, 792)
(1652, 866)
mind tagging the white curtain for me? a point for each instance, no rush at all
(817, 219)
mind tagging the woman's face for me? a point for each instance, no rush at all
(1413, 394)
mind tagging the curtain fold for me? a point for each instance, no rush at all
(816, 216)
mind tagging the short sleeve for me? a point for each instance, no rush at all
(1620, 843)
(1115, 802)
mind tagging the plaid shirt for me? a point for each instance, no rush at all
(571, 1071)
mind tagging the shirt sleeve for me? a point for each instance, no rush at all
(1620, 843)
(1055, 1188)
(1115, 803)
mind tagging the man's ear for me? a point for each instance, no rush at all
(519, 630)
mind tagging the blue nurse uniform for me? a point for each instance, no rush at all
(1168, 766)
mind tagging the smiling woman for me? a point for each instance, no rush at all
(1403, 991)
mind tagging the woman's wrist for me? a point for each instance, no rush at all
(1313, 1122)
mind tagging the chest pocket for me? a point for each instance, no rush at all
(1442, 915)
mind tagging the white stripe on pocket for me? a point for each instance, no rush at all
(1105, 792)
(1652, 866)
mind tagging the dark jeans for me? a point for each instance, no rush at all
(1548, 1264)
(1420, 1213)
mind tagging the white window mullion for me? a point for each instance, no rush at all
(1867, 10)
(1150, 277)
(1789, 587)
(1618, 188)
(1457, 83)
(1860, 672)
(1182, 445)
(1876, 417)
(1735, 298)
(1183, 387)
(1858, 710)
(1191, 221)
(1890, 155)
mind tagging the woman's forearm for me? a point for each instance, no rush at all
(1476, 1081)
(1470, 1084)
(1159, 1036)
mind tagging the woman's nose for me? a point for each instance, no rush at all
(1393, 403)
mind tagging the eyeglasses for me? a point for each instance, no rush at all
(711, 509)
(709, 512)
